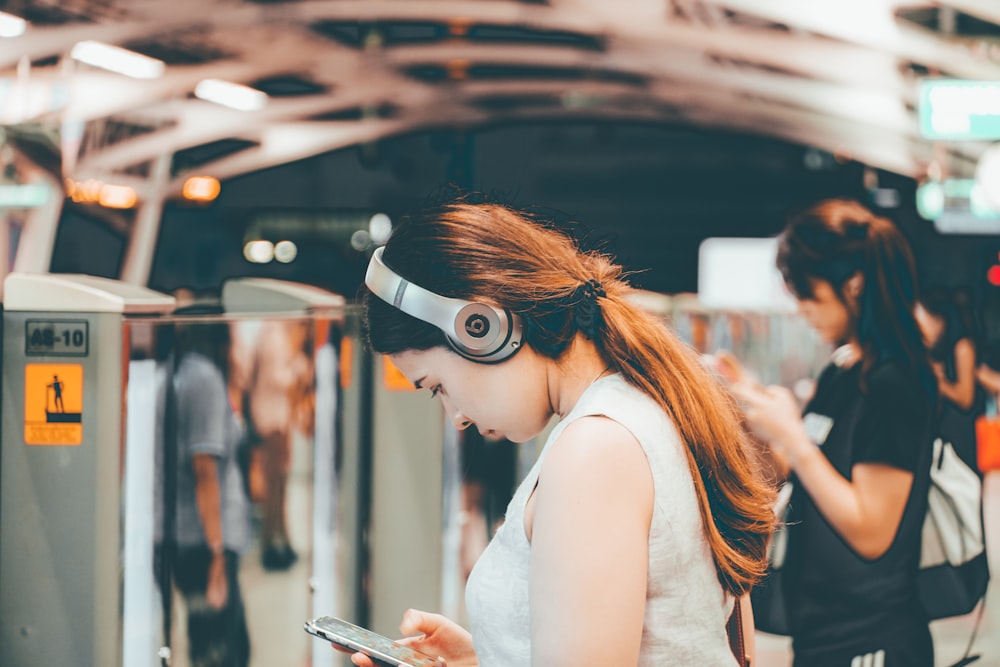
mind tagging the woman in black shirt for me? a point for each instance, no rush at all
(949, 333)
(859, 455)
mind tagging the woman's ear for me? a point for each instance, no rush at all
(855, 285)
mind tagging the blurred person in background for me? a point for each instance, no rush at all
(949, 332)
(212, 518)
(646, 513)
(859, 456)
(275, 368)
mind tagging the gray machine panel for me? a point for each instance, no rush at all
(59, 540)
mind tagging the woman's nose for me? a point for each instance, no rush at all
(458, 420)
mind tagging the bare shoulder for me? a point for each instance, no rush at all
(597, 446)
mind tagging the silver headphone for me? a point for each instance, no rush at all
(476, 331)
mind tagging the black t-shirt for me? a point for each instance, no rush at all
(894, 419)
(835, 597)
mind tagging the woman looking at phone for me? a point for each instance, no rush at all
(949, 332)
(645, 514)
(859, 457)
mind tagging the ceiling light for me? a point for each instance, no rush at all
(117, 59)
(361, 240)
(11, 26)
(232, 95)
(259, 251)
(285, 251)
(201, 188)
(117, 196)
(380, 228)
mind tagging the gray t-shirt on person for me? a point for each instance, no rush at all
(206, 424)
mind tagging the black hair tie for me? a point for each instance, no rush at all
(586, 311)
(591, 290)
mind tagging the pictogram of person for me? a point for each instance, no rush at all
(57, 387)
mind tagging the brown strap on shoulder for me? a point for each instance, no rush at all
(734, 629)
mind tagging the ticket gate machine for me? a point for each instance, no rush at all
(61, 466)
(77, 472)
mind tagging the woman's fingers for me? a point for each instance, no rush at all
(729, 366)
(749, 394)
(416, 622)
(357, 658)
(362, 660)
(783, 401)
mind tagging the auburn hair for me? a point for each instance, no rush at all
(490, 251)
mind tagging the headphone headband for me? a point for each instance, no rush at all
(475, 330)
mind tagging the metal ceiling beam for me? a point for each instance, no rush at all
(871, 23)
(845, 56)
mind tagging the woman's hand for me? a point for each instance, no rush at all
(773, 414)
(846, 355)
(434, 635)
(729, 367)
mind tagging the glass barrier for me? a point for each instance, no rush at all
(234, 513)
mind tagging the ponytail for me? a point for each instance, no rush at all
(734, 499)
(887, 328)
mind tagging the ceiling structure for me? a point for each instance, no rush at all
(840, 75)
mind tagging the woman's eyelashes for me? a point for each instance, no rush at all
(419, 384)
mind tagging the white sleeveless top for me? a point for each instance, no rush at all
(686, 607)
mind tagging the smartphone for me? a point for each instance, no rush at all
(379, 648)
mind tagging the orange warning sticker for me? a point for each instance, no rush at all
(53, 404)
(393, 378)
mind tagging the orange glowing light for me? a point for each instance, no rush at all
(86, 192)
(117, 196)
(201, 188)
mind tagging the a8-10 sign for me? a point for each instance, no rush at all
(57, 338)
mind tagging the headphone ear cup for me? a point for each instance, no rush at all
(478, 329)
(478, 332)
